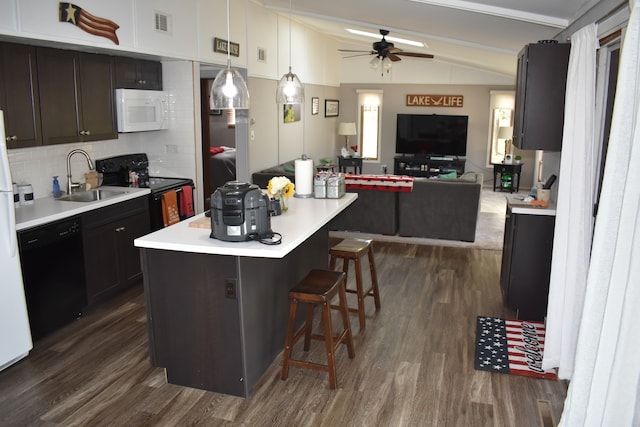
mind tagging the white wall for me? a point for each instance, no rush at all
(419, 71)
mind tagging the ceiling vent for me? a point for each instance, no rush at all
(162, 22)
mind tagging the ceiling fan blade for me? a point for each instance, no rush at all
(394, 50)
(360, 51)
(415, 54)
(355, 56)
(393, 57)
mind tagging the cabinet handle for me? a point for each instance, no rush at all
(142, 82)
(119, 229)
(12, 138)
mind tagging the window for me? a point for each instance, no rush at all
(501, 108)
(370, 106)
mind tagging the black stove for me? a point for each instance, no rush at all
(132, 170)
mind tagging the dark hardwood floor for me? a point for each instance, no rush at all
(413, 364)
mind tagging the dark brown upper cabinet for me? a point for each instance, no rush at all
(19, 97)
(76, 96)
(540, 90)
(134, 73)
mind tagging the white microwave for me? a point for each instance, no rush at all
(142, 110)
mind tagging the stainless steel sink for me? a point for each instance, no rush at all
(91, 195)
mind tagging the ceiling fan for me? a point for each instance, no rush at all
(385, 53)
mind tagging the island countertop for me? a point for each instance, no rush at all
(303, 219)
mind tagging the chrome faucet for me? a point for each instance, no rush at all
(70, 184)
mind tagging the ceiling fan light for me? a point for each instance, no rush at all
(374, 63)
(386, 64)
(229, 90)
(290, 90)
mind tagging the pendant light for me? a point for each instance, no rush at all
(229, 90)
(290, 90)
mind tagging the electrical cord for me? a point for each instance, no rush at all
(271, 238)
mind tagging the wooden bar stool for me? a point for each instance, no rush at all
(318, 287)
(355, 249)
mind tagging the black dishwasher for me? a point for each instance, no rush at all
(53, 272)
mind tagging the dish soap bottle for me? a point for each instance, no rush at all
(56, 187)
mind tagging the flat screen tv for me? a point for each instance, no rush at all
(432, 135)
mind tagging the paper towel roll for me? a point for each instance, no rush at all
(304, 178)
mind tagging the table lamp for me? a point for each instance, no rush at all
(347, 129)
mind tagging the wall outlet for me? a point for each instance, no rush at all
(383, 168)
(171, 148)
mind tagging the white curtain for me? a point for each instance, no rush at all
(574, 213)
(605, 387)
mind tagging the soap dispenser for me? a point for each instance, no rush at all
(56, 187)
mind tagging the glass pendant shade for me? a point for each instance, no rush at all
(229, 90)
(386, 64)
(290, 90)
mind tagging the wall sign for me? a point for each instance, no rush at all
(68, 12)
(434, 100)
(220, 46)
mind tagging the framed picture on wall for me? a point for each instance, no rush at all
(291, 113)
(315, 105)
(331, 107)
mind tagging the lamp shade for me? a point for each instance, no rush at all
(229, 90)
(347, 128)
(505, 132)
(290, 90)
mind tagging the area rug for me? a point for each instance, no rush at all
(510, 346)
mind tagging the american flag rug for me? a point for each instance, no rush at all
(511, 346)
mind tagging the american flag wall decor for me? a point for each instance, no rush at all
(68, 12)
(511, 346)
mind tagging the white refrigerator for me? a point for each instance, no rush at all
(15, 335)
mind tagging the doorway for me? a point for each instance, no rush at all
(218, 144)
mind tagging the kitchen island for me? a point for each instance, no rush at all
(217, 311)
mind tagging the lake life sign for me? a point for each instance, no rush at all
(434, 101)
(220, 46)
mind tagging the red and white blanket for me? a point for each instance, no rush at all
(394, 183)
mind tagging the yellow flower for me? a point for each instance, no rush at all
(280, 184)
(289, 190)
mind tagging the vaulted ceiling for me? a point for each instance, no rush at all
(486, 34)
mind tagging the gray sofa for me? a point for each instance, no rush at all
(435, 208)
(441, 208)
(261, 178)
(372, 212)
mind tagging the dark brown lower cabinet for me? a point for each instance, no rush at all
(526, 263)
(111, 261)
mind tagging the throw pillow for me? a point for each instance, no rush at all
(450, 175)
(468, 176)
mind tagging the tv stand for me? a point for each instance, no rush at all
(427, 166)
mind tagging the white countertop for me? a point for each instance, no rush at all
(519, 206)
(304, 217)
(48, 209)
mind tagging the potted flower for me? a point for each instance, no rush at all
(280, 187)
(518, 159)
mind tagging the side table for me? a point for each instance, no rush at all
(354, 162)
(500, 169)
(325, 167)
